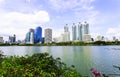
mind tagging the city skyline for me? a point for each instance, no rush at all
(17, 16)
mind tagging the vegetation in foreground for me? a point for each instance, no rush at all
(37, 65)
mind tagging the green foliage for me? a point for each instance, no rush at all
(37, 65)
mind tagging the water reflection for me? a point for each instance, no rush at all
(83, 59)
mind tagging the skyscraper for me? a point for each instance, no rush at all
(48, 35)
(27, 40)
(38, 35)
(86, 35)
(12, 39)
(74, 32)
(1, 39)
(31, 36)
(66, 28)
(80, 31)
(66, 33)
(86, 28)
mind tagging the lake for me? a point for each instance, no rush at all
(101, 58)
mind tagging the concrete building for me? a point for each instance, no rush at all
(48, 35)
(74, 32)
(1, 40)
(80, 31)
(87, 38)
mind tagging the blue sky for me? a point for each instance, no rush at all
(17, 16)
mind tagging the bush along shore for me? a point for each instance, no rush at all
(37, 65)
(78, 43)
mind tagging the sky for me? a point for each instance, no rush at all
(18, 16)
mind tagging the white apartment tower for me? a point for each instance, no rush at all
(86, 28)
(31, 36)
(74, 32)
(80, 31)
(66, 33)
(48, 35)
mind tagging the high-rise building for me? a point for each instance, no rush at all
(74, 32)
(38, 35)
(86, 28)
(80, 31)
(66, 28)
(12, 39)
(66, 33)
(27, 40)
(48, 35)
(31, 36)
(1, 40)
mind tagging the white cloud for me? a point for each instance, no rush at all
(113, 31)
(1, 0)
(19, 23)
(70, 4)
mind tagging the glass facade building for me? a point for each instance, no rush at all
(28, 37)
(38, 35)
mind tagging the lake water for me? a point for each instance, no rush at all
(101, 58)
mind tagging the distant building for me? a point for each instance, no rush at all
(74, 32)
(38, 35)
(86, 28)
(12, 39)
(114, 38)
(31, 36)
(87, 38)
(66, 33)
(48, 35)
(80, 31)
(1, 40)
(34, 36)
(27, 40)
(100, 38)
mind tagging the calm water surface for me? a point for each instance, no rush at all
(101, 58)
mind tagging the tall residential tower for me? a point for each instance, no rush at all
(80, 31)
(66, 33)
(74, 32)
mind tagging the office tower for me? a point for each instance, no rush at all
(38, 35)
(86, 28)
(80, 31)
(31, 36)
(74, 34)
(27, 39)
(48, 35)
(1, 40)
(12, 39)
(66, 34)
